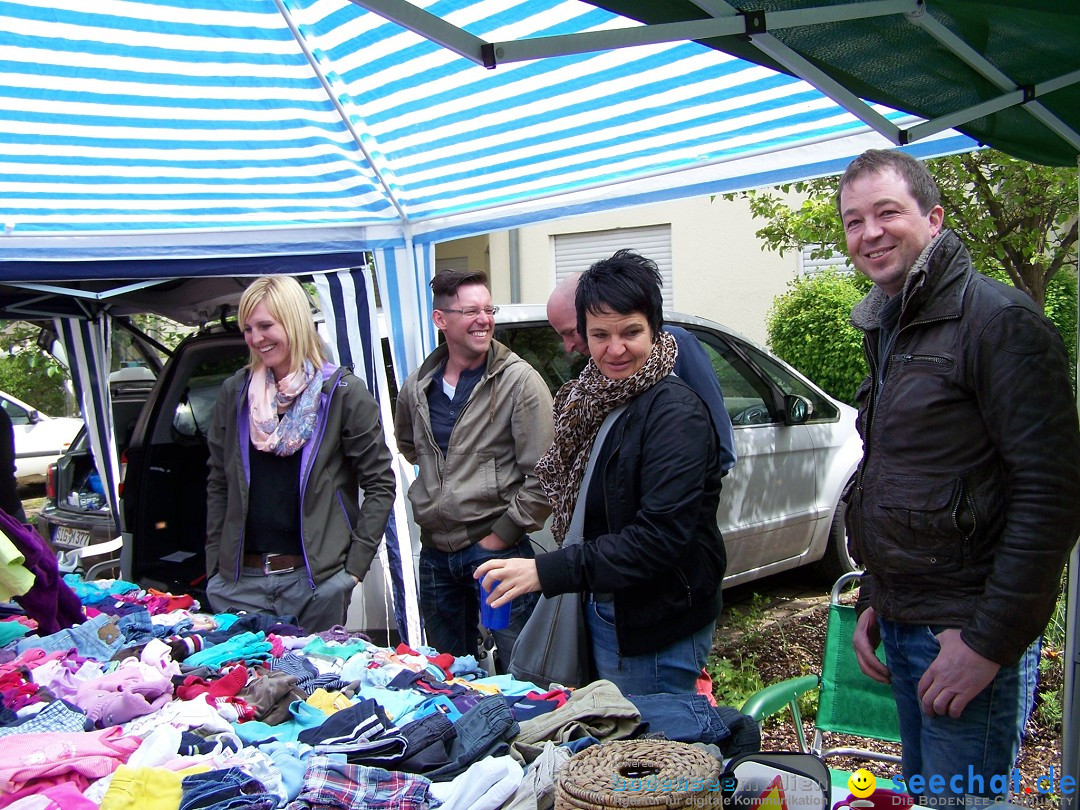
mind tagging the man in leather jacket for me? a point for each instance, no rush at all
(965, 504)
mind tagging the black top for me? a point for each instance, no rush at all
(273, 518)
(9, 491)
(444, 411)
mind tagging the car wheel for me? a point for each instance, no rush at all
(837, 560)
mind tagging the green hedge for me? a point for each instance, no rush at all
(808, 327)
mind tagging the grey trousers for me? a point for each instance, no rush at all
(286, 594)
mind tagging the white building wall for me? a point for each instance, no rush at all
(720, 271)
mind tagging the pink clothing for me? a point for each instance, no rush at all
(123, 695)
(35, 761)
(59, 797)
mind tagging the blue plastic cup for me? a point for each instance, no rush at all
(493, 618)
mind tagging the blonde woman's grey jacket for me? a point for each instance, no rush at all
(346, 453)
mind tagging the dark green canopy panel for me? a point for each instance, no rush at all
(1017, 82)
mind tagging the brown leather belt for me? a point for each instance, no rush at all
(274, 563)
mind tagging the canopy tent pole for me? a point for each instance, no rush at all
(977, 62)
(1070, 735)
(87, 343)
(346, 121)
(348, 304)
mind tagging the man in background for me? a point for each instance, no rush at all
(475, 418)
(9, 488)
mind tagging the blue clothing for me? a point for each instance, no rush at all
(450, 601)
(225, 788)
(692, 719)
(673, 669)
(483, 731)
(98, 638)
(692, 366)
(966, 751)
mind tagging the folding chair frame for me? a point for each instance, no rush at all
(785, 694)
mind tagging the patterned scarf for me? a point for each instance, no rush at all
(283, 413)
(580, 408)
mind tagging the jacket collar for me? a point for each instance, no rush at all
(933, 289)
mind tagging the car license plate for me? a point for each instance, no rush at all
(72, 538)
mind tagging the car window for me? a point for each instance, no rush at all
(542, 348)
(823, 410)
(18, 415)
(746, 395)
(196, 405)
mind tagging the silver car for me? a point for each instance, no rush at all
(797, 447)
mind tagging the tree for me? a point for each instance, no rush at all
(1018, 220)
(31, 374)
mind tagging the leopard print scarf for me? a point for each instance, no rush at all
(580, 407)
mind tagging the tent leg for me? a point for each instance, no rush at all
(1070, 722)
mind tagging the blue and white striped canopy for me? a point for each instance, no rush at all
(199, 130)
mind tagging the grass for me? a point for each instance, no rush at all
(733, 683)
(1051, 666)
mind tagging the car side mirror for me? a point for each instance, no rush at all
(779, 779)
(34, 417)
(797, 409)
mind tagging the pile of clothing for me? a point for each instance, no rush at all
(144, 701)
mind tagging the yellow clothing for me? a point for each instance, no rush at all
(15, 580)
(143, 789)
(329, 702)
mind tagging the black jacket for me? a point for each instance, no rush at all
(9, 489)
(967, 499)
(663, 556)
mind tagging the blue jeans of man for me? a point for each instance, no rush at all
(449, 599)
(672, 669)
(969, 751)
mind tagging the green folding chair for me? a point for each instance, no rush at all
(849, 702)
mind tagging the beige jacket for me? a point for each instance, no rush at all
(486, 483)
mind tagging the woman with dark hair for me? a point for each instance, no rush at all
(652, 559)
(292, 442)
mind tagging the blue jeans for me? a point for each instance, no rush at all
(224, 789)
(450, 602)
(969, 750)
(483, 731)
(673, 669)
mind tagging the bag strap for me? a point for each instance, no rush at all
(575, 532)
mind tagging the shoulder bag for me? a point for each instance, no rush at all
(553, 646)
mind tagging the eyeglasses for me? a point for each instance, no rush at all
(472, 313)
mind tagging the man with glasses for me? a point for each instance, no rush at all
(475, 418)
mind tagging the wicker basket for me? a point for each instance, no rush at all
(639, 774)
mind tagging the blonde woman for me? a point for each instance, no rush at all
(292, 442)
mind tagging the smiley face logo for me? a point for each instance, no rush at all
(862, 783)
